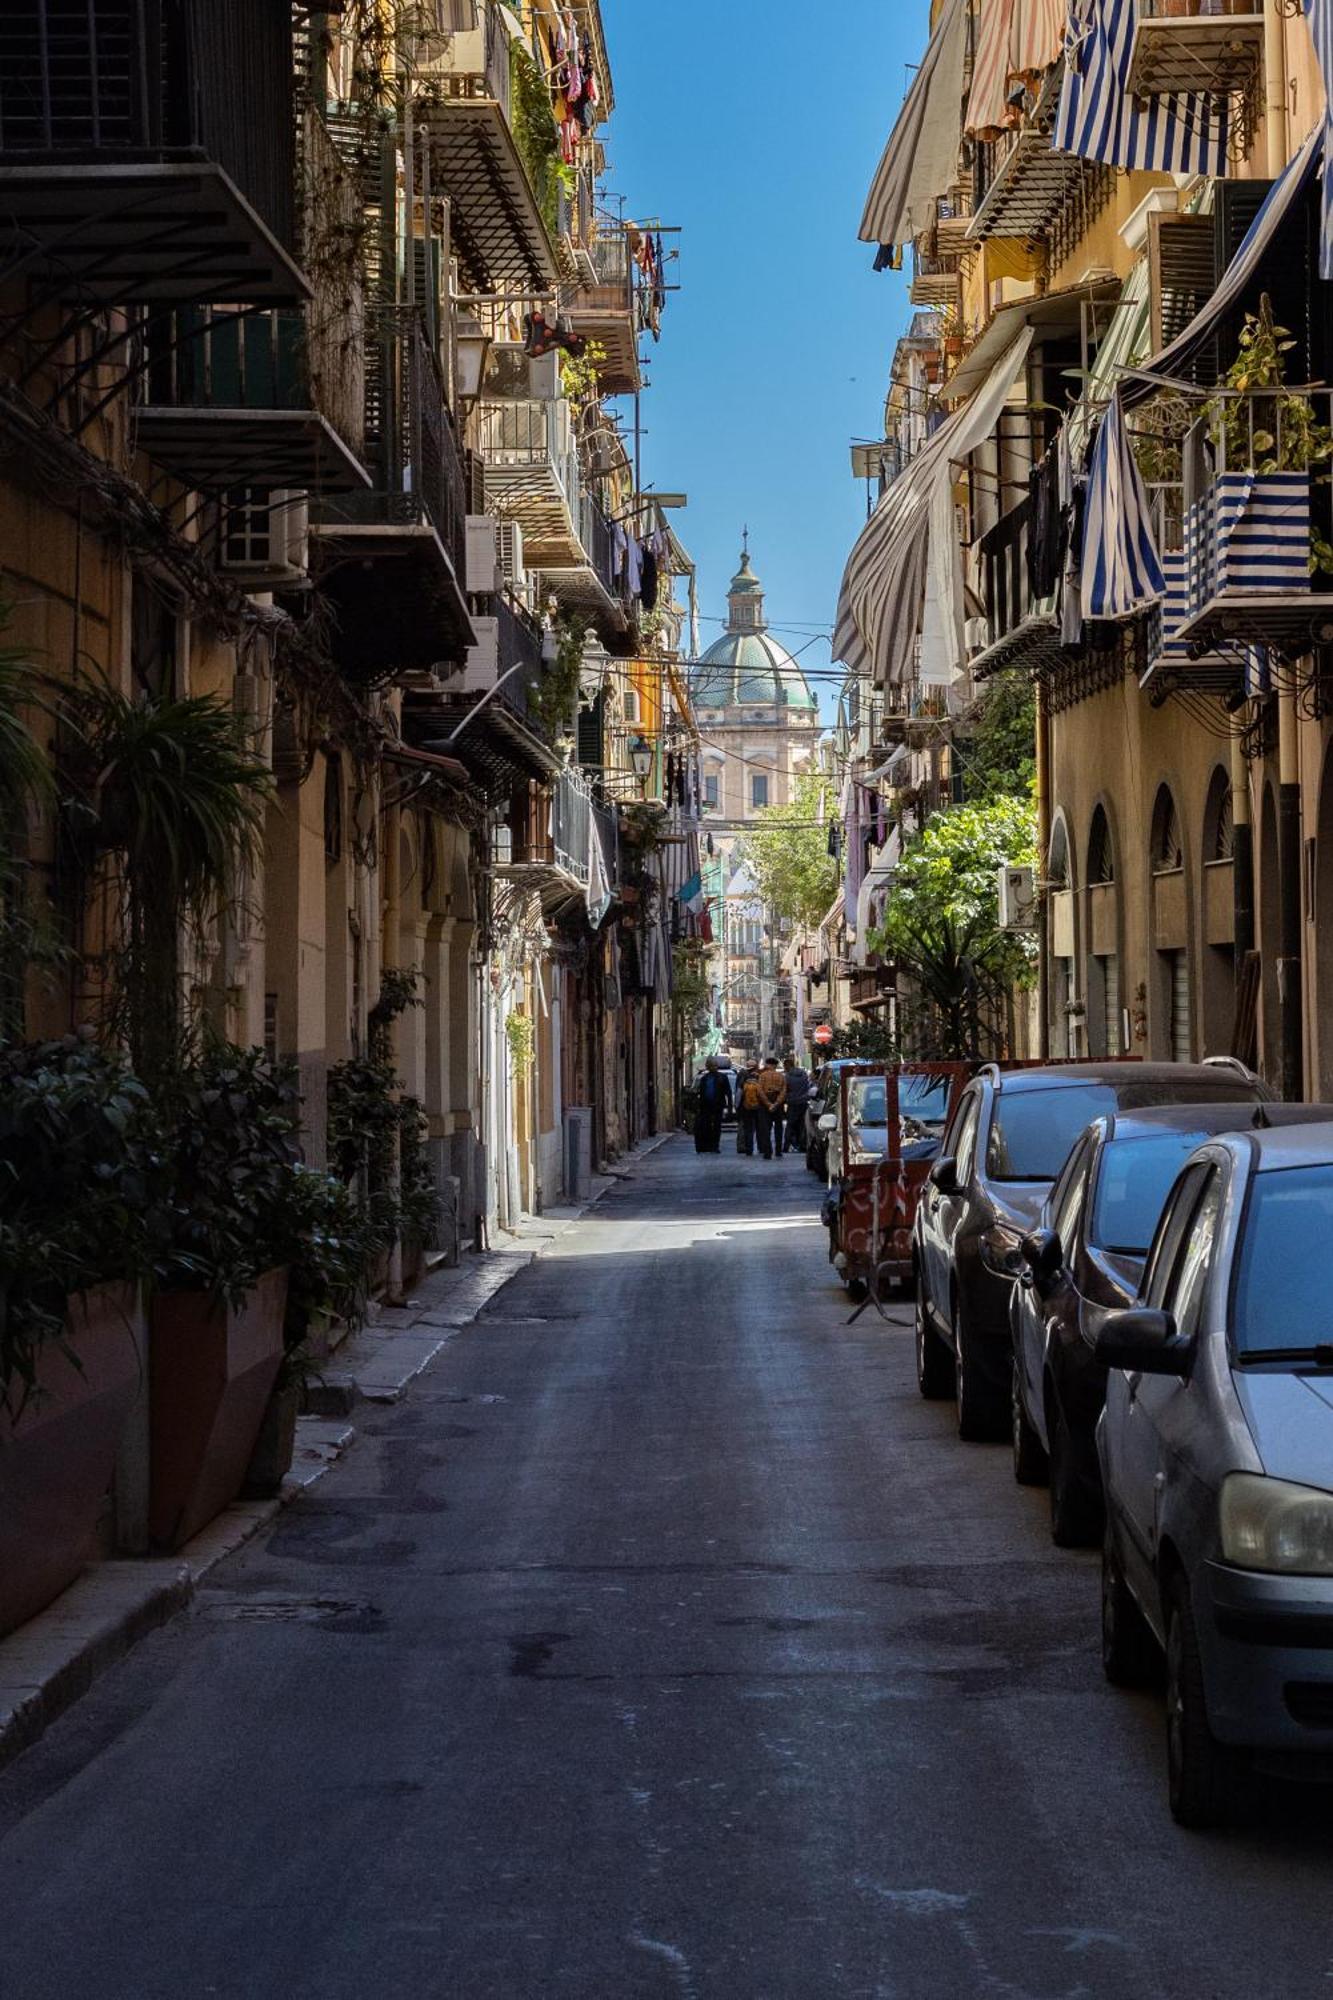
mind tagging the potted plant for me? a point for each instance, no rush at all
(329, 1247)
(218, 1306)
(76, 1151)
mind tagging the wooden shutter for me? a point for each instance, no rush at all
(1182, 276)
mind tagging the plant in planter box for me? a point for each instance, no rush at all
(219, 1304)
(377, 1132)
(78, 1156)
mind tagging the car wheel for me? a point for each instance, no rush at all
(982, 1417)
(934, 1363)
(1130, 1656)
(1076, 1519)
(1031, 1467)
(1201, 1772)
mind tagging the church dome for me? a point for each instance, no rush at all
(747, 667)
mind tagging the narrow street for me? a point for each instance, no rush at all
(660, 1642)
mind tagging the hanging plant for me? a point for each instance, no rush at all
(551, 703)
(521, 1034)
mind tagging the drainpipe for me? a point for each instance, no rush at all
(1275, 90)
(1289, 888)
(1242, 852)
(1043, 854)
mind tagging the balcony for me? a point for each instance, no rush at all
(1214, 47)
(505, 745)
(1021, 629)
(147, 149)
(1256, 515)
(551, 847)
(1024, 188)
(394, 557)
(533, 477)
(499, 234)
(591, 586)
(228, 403)
(935, 279)
(604, 310)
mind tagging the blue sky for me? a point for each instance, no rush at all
(757, 129)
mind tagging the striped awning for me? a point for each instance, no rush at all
(988, 108)
(1036, 36)
(1099, 119)
(1122, 571)
(1239, 273)
(1319, 13)
(884, 584)
(921, 157)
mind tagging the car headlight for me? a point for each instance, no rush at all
(1273, 1525)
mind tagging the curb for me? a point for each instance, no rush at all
(49, 1663)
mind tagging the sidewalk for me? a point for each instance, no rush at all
(48, 1664)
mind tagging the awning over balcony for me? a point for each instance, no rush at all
(162, 231)
(1239, 275)
(1035, 644)
(398, 605)
(1121, 569)
(1049, 315)
(1101, 119)
(216, 449)
(922, 154)
(498, 233)
(883, 592)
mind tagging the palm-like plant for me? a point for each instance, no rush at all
(952, 962)
(26, 780)
(168, 792)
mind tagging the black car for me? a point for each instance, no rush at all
(1084, 1260)
(1010, 1136)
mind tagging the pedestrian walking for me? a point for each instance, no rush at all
(714, 1095)
(747, 1109)
(771, 1092)
(798, 1097)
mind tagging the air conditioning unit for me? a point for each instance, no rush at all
(515, 376)
(1018, 898)
(509, 541)
(483, 555)
(266, 538)
(483, 659)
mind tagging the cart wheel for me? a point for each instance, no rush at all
(857, 1290)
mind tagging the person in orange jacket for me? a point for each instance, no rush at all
(771, 1092)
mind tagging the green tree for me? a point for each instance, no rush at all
(787, 852)
(942, 926)
(1002, 761)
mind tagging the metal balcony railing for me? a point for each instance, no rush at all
(207, 357)
(412, 449)
(476, 61)
(89, 82)
(571, 826)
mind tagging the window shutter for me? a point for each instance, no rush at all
(591, 731)
(1182, 275)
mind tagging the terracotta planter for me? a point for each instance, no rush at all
(211, 1372)
(275, 1447)
(56, 1462)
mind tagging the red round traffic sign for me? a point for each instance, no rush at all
(823, 1035)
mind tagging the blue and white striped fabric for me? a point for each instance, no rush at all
(1319, 14)
(1239, 273)
(1250, 533)
(1122, 571)
(1099, 120)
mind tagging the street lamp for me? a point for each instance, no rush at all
(472, 346)
(641, 757)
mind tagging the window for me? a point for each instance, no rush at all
(758, 789)
(1190, 1287)
(1067, 1206)
(1133, 1182)
(1282, 1298)
(966, 1143)
(711, 789)
(1033, 1130)
(1171, 1230)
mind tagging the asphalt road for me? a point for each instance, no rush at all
(663, 1643)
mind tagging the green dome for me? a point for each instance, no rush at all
(746, 667)
(750, 670)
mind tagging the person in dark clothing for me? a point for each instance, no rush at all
(798, 1096)
(747, 1108)
(714, 1103)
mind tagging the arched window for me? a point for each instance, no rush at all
(1218, 823)
(1101, 853)
(1168, 850)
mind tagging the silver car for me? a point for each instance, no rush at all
(1216, 1450)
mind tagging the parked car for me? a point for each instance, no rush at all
(1007, 1141)
(1084, 1260)
(823, 1101)
(1216, 1448)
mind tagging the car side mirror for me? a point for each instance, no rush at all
(1143, 1341)
(828, 1121)
(1043, 1253)
(943, 1176)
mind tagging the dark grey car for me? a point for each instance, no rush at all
(1216, 1449)
(1007, 1141)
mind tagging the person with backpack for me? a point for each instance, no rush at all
(747, 1108)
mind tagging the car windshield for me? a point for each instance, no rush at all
(867, 1101)
(1133, 1182)
(925, 1099)
(1282, 1291)
(1032, 1131)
